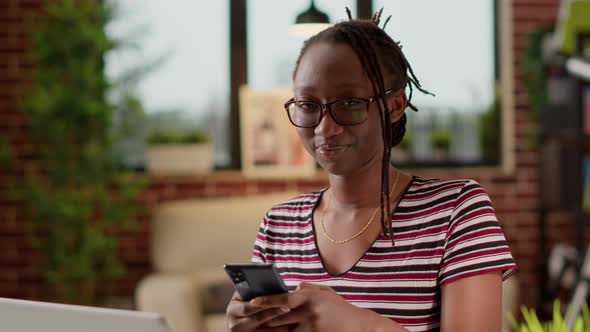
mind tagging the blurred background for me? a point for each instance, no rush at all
(127, 129)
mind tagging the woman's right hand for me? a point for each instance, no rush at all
(243, 316)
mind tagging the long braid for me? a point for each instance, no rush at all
(377, 53)
(378, 85)
(361, 44)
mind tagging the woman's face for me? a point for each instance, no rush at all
(329, 72)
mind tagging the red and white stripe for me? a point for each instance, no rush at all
(444, 230)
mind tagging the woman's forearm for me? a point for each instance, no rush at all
(375, 322)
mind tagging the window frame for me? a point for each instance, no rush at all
(503, 73)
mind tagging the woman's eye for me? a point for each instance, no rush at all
(308, 106)
(351, 102)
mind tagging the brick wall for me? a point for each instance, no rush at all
(515, 196)
(18, 275)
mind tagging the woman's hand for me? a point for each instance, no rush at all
(244, 316)
(320, 308)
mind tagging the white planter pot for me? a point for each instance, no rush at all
(180, 159)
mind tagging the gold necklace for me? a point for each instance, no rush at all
(359, 232)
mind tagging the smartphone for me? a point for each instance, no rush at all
(255, 279)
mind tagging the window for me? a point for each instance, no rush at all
(190, 86)
(451, 47)
(272, 50)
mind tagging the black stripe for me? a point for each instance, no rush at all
(299, 253)
(427, 205)
(475, 267)
(288, 218)
(409, 312)
(259, 249)
(301, 200)
(472, 207)
(299, 203)
(306, 272)
(473, 228)
(288, 235)
(430, 223)
(436, 186)
(487, 245)
(386, 290)
(397, 269)
(406, 248)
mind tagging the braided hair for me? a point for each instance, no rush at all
(378, 54)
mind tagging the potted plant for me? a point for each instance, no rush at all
(76, 196)
(532, 323)
(174, 152)
(490, 133)
(440, 139)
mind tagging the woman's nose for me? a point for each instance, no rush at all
(327, 126)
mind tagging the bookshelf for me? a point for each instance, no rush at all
(565, 154)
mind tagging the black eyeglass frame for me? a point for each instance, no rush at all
(328, 107)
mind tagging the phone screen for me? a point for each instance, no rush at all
(252, 280)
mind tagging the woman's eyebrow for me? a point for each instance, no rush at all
(354, 85)
(344, 85)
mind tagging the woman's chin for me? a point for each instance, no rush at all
(336, 168)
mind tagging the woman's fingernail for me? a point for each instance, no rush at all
(285, 309)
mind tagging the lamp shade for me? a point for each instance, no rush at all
(310, 22)
(312, 15)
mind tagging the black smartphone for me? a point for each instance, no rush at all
(255, 279)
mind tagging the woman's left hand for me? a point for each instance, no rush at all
(320, 308)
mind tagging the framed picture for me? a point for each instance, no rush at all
(270, 145)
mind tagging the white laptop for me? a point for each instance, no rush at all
(31, 316)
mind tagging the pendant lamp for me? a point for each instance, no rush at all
(310, 22)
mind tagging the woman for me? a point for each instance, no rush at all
(437, 259)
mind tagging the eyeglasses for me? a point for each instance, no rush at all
(345, 112)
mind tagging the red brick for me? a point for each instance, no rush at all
(7, 89)
(9, 4)
(503, 179)
(525, 250)
(540, 12)
(30, 4)
(190, 190)
(10, 289)
(271, 186)
(223, 188)
(15, 119)
(10, 12)
(528, 189)
(555, 3)
(525, 27)
(528, 175)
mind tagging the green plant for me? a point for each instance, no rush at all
(77, 198)
(406, 143)
(194, 136)
(532, 323)
(535, 77)
(489, 131)
(440, 139)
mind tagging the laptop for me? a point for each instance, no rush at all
(32, 316)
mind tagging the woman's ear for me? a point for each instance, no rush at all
(397, 102)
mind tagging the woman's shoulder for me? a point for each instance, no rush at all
(299, 203)
(424, 185)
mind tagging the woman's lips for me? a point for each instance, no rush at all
(329, 151)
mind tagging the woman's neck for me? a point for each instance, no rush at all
(363, 189)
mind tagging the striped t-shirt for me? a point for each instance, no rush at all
(444, 230)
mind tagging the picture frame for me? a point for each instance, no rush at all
(270, 146)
